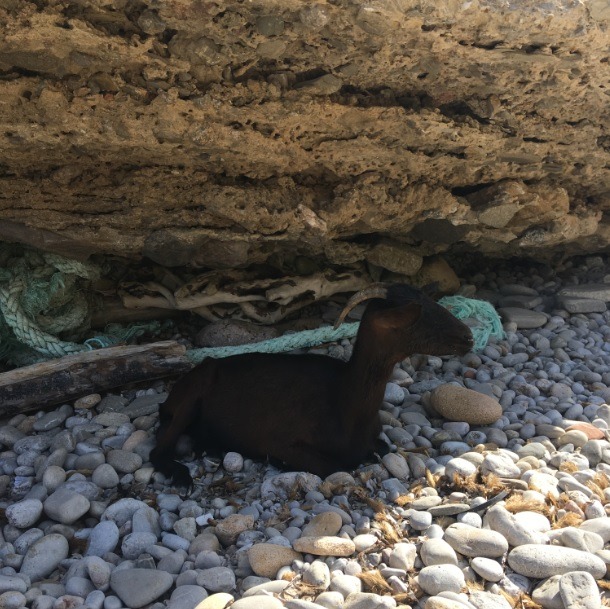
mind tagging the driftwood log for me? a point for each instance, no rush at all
(72, 376)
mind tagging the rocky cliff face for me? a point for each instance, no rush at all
(222, 133)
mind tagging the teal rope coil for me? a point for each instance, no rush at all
(484, 319)
(42, 295)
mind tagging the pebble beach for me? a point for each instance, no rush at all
(495, 493)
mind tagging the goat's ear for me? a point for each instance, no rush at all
(399, 317)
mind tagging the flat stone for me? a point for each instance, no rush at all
(66, 506)
(539, 562)
(139, 587)
(266, 558)
(457, 403)
(471, 541)
(228, 530)
(98, 571)
(217, 579)
(595, 291)
(12, 600)
(44, 556)
(441, 578)
(397, 465)
(105, 476)
(579, 590)
(317, 575)
(592, 432)
(24, 514)
(403, 556)
(12, 583)
(524, 318)
(487, 568)
(50, 420)
(547, 593)
(573, 304)
(103, 538)
(144, 405)
(124, 461)
(135, 544)
(437, 552)
(325, 546)
(488, 600)
(186, 597)
(322, 525)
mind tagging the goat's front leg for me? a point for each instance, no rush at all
(178, 414)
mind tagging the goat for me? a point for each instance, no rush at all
(310, 412)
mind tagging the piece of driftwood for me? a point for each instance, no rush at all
(72, 376)
(114, 312)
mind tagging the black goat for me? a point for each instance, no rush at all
(311, 412)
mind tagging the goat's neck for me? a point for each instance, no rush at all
(367, 373)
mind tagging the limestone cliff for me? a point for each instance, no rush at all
(218, 134)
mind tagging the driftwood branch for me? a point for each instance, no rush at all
(72, 376)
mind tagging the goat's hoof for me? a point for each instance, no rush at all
(181, 477)
(381, 448)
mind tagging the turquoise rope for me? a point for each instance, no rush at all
(287, 342)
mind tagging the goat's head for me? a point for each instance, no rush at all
(404, 320)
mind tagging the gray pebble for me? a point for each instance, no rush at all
(44, 556)
(186, 597)
(440, 578)
(437, 552)
(103, 538)
(123, 461)
(139, 587)
(217, 579)
(579, 590)
(538, 562)
(66, 506)
(24, 514)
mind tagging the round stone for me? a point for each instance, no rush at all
(12, 600)
(488, 569)
(103, 538)
(233, 462)
(44, 556)
(186, 597)
(323, 525)
(229, 529)
(123, 461)
(105, 476)
(397, 465)
(437, 552)
(139, 587)
(217, 579)
(24, 514)
(578, 590)
(457, 403)
(471, 541)
(460, 467)
(441, 578)
(266, 558)
(66, 506)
